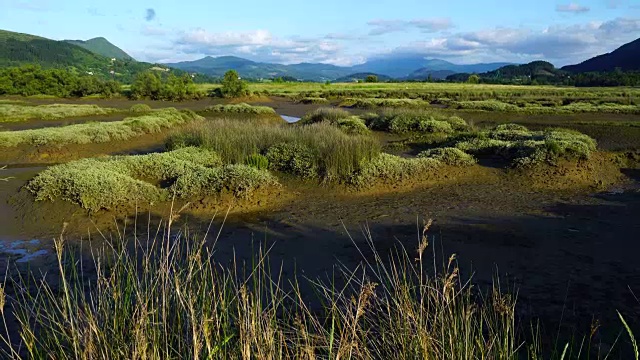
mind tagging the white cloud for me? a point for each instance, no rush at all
(381, 26)
(572, 8)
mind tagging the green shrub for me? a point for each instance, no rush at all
(257, 161)
(293, 158)
(526, 148)
(392, 168)
(330, 115)
(233, 86)
(313, 100)
(87, 133)
(107, 183)
(449, 156)
(412, 120)
(140, 109)
(353, 125)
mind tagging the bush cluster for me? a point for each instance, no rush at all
(407, 120)
(293, 158)
(525, 148)
(106, 183)
(150, 85)
(340, 118)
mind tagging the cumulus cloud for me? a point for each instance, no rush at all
(559, 44)
(151, 15)
(381, 26)
(263, 46)
(572, 8)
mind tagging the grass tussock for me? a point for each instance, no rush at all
(169, 299)
(15, 112)
(415, 120)
(88, 133)
(241, 108)
(107, 183)
(317, 150)
(342, 119)
(524, 148)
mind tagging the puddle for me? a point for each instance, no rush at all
(290, 119)
(24, 250)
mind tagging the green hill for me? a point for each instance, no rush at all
(18, 49)
(624, 58)
(101, 46)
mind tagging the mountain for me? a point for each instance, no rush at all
(17, 49)
(390, 67)
(625, 58)
(403, 66)
(101, 46)
(425, 73)
(217, 66)
(539, 71)
(361, 76)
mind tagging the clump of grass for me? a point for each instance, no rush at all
(15, 112)
(324, 114)
(257, 161)
(449, 156)
(366, 103)
(293, 158)
(389, 168)
(527, 148)
(313, 100)
(107, 183)
(241, 108)
(140, 109)
(408, 120)
(342, 119)
(335, 154)
(87, 133)
(171, 299)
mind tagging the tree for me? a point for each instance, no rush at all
(147, 85)
(371, 79)
(473, 79)
(233, 86)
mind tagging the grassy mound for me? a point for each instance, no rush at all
(539, 108)
(14, 112)
(408, 120)
(526, 148)
(106, 183)
(128, 128)
(241, 108)
(365, 103)
(348, 123)
(312, 100)
(320, 150)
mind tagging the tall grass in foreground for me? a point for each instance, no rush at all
(326, 148)
(167, 298)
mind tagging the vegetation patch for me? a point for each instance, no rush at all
(365, 103)
(342, 119)
(13, 112)
(140, 109)
(538, 108)
(391, 168)
(241, 108)
(325, 151)
(523, 147)
(312, 100)
(408, 120)
(449, 156)
(128, 128)
(106, 183)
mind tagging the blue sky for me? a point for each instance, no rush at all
(341, 32)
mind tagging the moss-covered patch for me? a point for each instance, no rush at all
(16, 112)
(107, 183)
(87, 133)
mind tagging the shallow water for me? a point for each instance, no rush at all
(290, 119)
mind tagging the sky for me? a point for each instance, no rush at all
(339, 32)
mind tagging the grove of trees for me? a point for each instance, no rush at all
(154, 86)
(28, 80)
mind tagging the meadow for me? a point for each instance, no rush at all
(508, 172)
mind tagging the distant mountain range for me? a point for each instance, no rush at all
(96, 56)
(101, 46)
(626, 58)
(392, 67)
